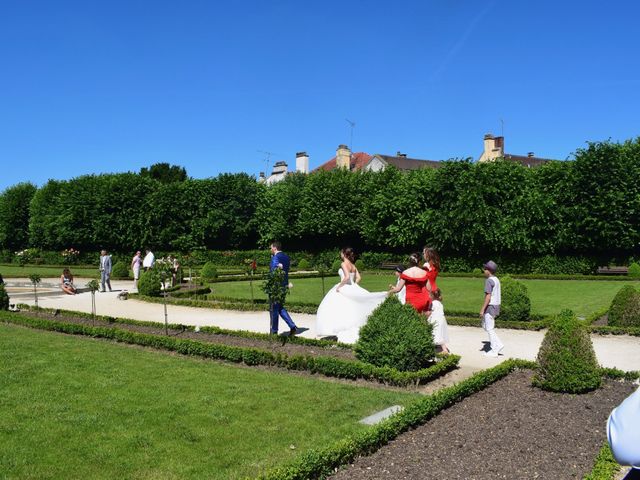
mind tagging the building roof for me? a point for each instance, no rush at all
(358, 161)
(527, 161)
(404, 163)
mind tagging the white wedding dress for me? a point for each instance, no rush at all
(342, 313)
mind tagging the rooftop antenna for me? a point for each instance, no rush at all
(353, 124)
(267, 159)
(501, 128)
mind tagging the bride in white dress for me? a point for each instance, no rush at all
(345, 308)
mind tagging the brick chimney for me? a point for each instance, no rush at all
(493, 148)
(302, 162)
(343, 157)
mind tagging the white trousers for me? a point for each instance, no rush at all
(489, 324)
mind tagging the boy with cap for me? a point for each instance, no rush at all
(491, 307)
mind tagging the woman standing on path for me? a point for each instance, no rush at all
(414, 279)
(438, 320)
(136, 263)
(432, 266)
(345, 308)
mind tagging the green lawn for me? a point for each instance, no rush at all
(75, 407)
(460, 294)
(47, 271)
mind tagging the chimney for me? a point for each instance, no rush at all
(279, 168)
(493, 148)
(401, 155)
(530, 154)
(302, 162)
(343, 157)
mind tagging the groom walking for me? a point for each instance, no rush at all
(281, 260)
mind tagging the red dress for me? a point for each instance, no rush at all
(432, 274)
(417, 295)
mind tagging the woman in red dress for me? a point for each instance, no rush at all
(432, 266)
(414, 279)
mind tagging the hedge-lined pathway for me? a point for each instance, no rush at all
(619, 351)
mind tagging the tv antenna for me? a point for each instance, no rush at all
(267, 159)
(501, 127)
(352, 124)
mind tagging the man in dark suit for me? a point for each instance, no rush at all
(281, 260)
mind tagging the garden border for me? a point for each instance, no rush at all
(605, 466)
(319, 463)
(328, 366)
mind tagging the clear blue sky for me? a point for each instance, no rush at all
(91, 87)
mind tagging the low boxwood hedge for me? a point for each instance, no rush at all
(320, 463)
(329, 366)
(605, 466)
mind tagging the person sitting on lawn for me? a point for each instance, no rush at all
(66, 282)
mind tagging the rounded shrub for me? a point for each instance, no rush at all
(396, 336)
(149, 283)
(4, 298)
(335, 266)
(304, 264)
(567, 361)
(360, 264)
(634, 270)
(625, 308)
(209, 271)
(516, 305)
(120, 270)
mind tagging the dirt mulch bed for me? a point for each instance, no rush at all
(279, 345)
(509, 430)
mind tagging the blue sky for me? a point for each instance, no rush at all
(92, 87)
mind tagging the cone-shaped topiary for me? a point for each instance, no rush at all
(516, 305)
(149, 283)
(120, 270)
(209, 271)
(625, 308)
(634, 270)
(397, 336)
(303, 264)
(567, 362)
(335, 266)
(4, 298)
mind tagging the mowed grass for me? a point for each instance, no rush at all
(548, 297)
(73, 407)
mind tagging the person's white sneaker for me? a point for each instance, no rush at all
(491, 353)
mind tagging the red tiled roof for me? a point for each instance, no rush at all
(358, 161)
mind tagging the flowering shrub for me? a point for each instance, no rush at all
(70, 256)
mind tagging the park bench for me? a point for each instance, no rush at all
(388, 265)
(613, 270)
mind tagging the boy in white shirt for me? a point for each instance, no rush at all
(491, 307)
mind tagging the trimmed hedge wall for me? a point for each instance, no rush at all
(329, 366)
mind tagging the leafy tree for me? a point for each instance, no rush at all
(605, 181)
(14, 216)
(164, 173)
(44, 214)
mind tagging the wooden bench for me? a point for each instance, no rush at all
(388, 265)
(613, 270)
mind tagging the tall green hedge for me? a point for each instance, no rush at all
(530, 211)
